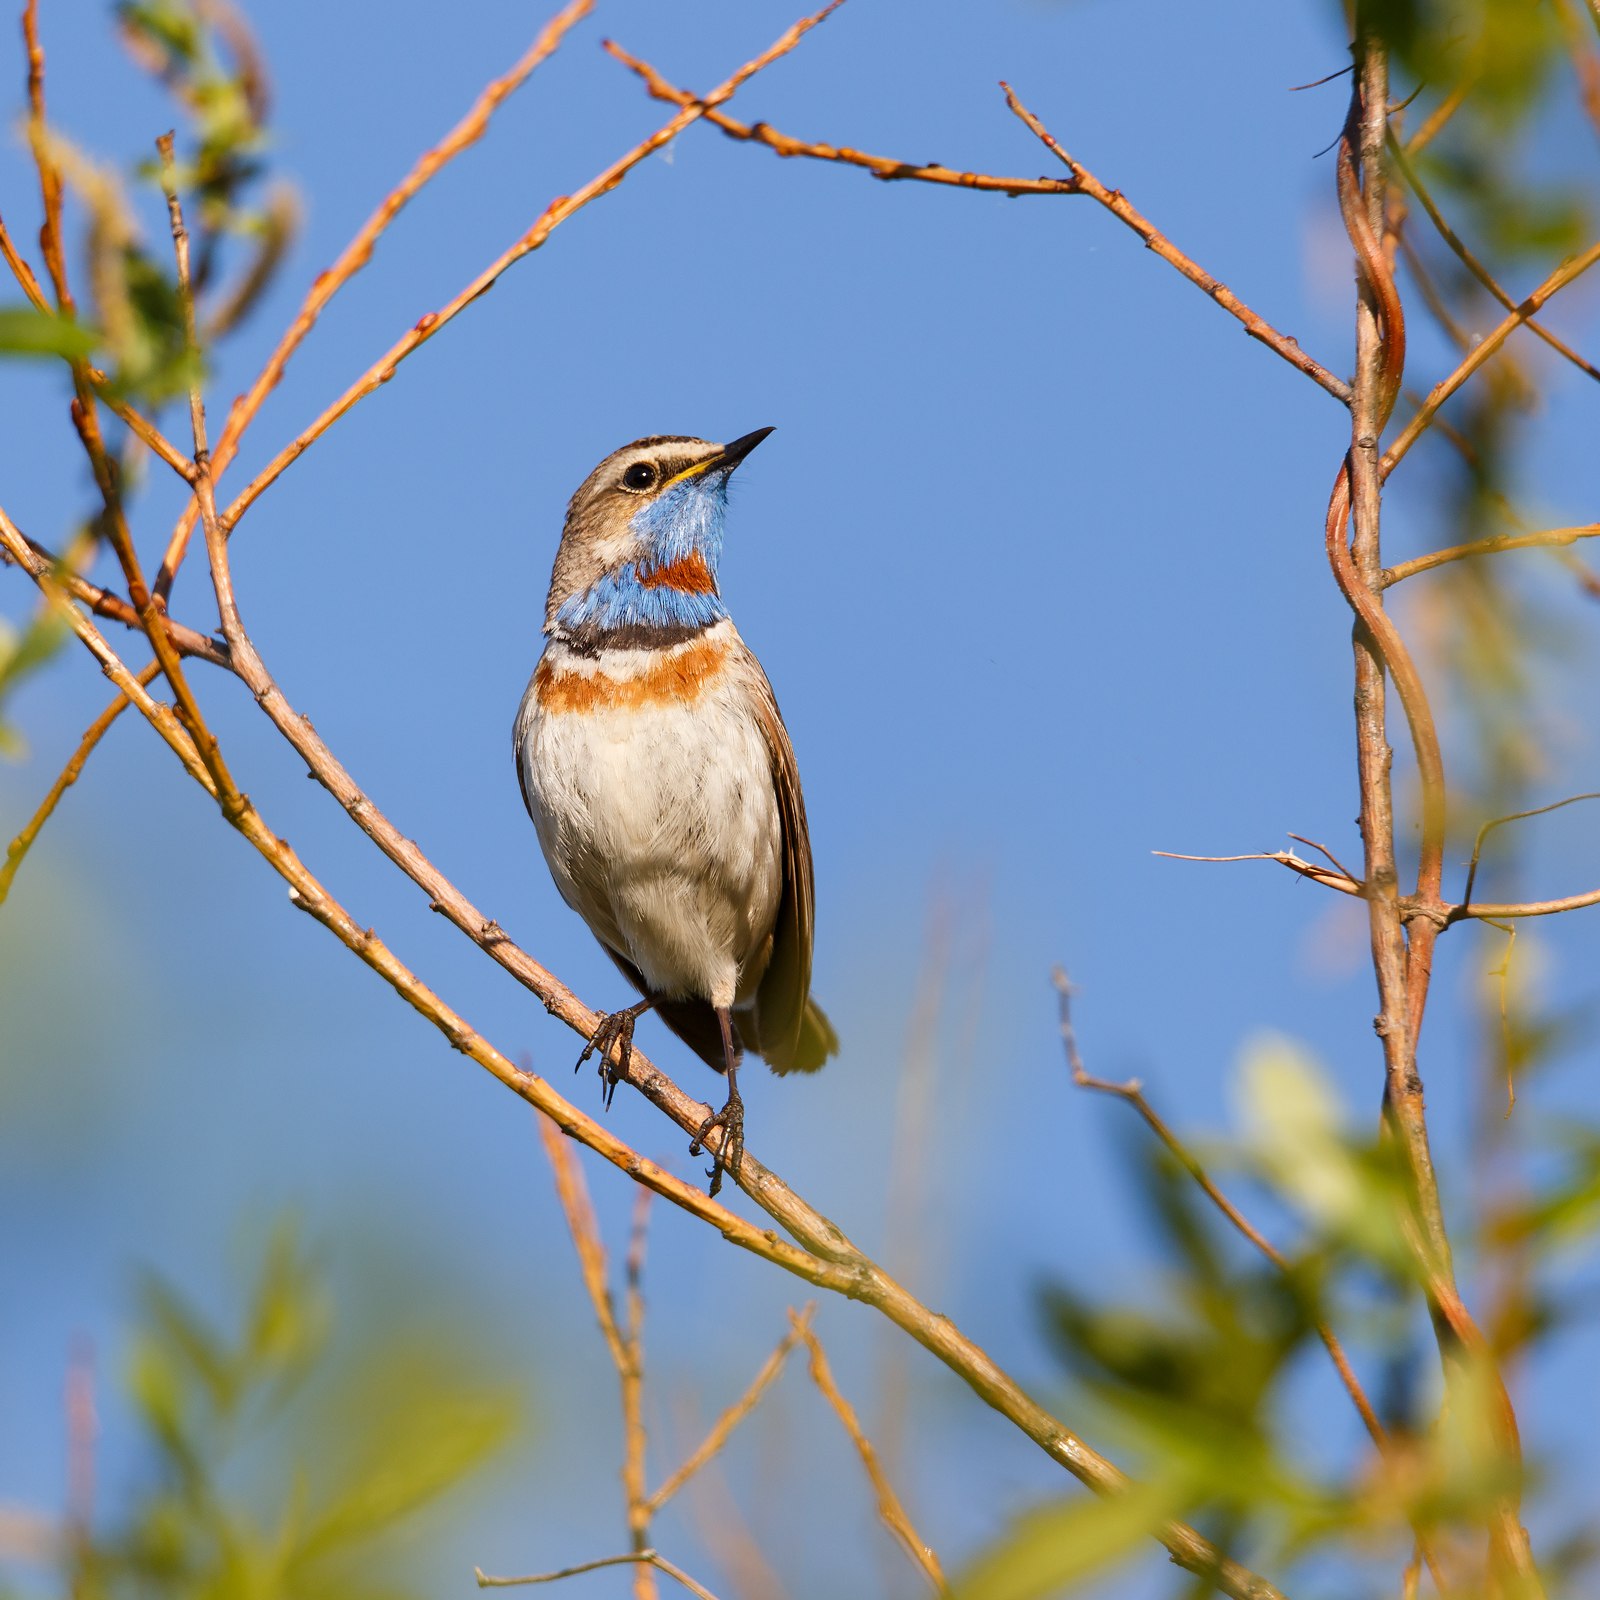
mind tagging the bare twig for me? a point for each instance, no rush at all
(624, 1340)
(1402, 957)
(730, 1419)
(554, 215)
(1133, 1093)
(104, 603)
(1340, 880)
(885, 167)
(1434, 124)
(648, 1558)
(1500, 822)
(890, 1509)
(1544, 538)
(96, 731)
(358, 253)
(1112, 199)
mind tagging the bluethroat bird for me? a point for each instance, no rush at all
(660, 777)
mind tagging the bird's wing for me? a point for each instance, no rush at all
(791, 1032)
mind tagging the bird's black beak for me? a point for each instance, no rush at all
(733, 454)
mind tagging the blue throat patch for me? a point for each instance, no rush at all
(686, 520)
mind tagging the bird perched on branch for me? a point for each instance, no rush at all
(659, 774)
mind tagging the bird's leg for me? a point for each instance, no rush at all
(729, 1155)
(614, 1028)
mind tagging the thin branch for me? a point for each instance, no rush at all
(19, 847)
(1500, 822)
(623, 1342)
(50, 187)
(1545, 538)
(1133, 1093)
(1402, 953)
(1489, 911)
(1114, 202)
(106, 603)
(890, 1509)
(730, 1419)
(649, 1558)
(885, 167)
(557, 212)
(1566, 273)
(1340, 880)
(1471, 262)
(1436, 121)
(358, 253)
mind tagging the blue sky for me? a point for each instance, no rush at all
(1034, 561)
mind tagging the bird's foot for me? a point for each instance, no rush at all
(614, 1030)
(729, 1154)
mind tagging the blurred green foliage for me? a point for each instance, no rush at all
(132, 321)
(1505, 57)
(1195, 1381)
(280, 1460)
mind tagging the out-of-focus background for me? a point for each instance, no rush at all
(1034, 560)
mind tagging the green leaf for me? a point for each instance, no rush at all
(1063, 1544)
(27, 332)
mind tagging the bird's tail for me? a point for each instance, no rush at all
(816, 1043)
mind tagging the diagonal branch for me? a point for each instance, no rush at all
(1133, 1093)
(890, 1509)
(648, 1558)
(105, 603)
(884, 167)
(722, 1429)
(557, 212)
(1112, 199)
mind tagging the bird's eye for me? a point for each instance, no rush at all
(640, 475)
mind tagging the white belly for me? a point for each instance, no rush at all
(661, 828)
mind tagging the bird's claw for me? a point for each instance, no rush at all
(729, 1154)
(614, 1030)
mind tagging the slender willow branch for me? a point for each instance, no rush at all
(1566, 273)
(890, 1509)
(884, 167)
(357, 254)
(649, 1558)
(557, 212)
(1340, 880)
(1471, 262)
(1492, 911)
(1403, 964)
(1132, 1092)
(625, 1344)
(105, 603)
(96, 731)
(1441, 115)
(722, 1429)
(1545, 538)
(1113, 201)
